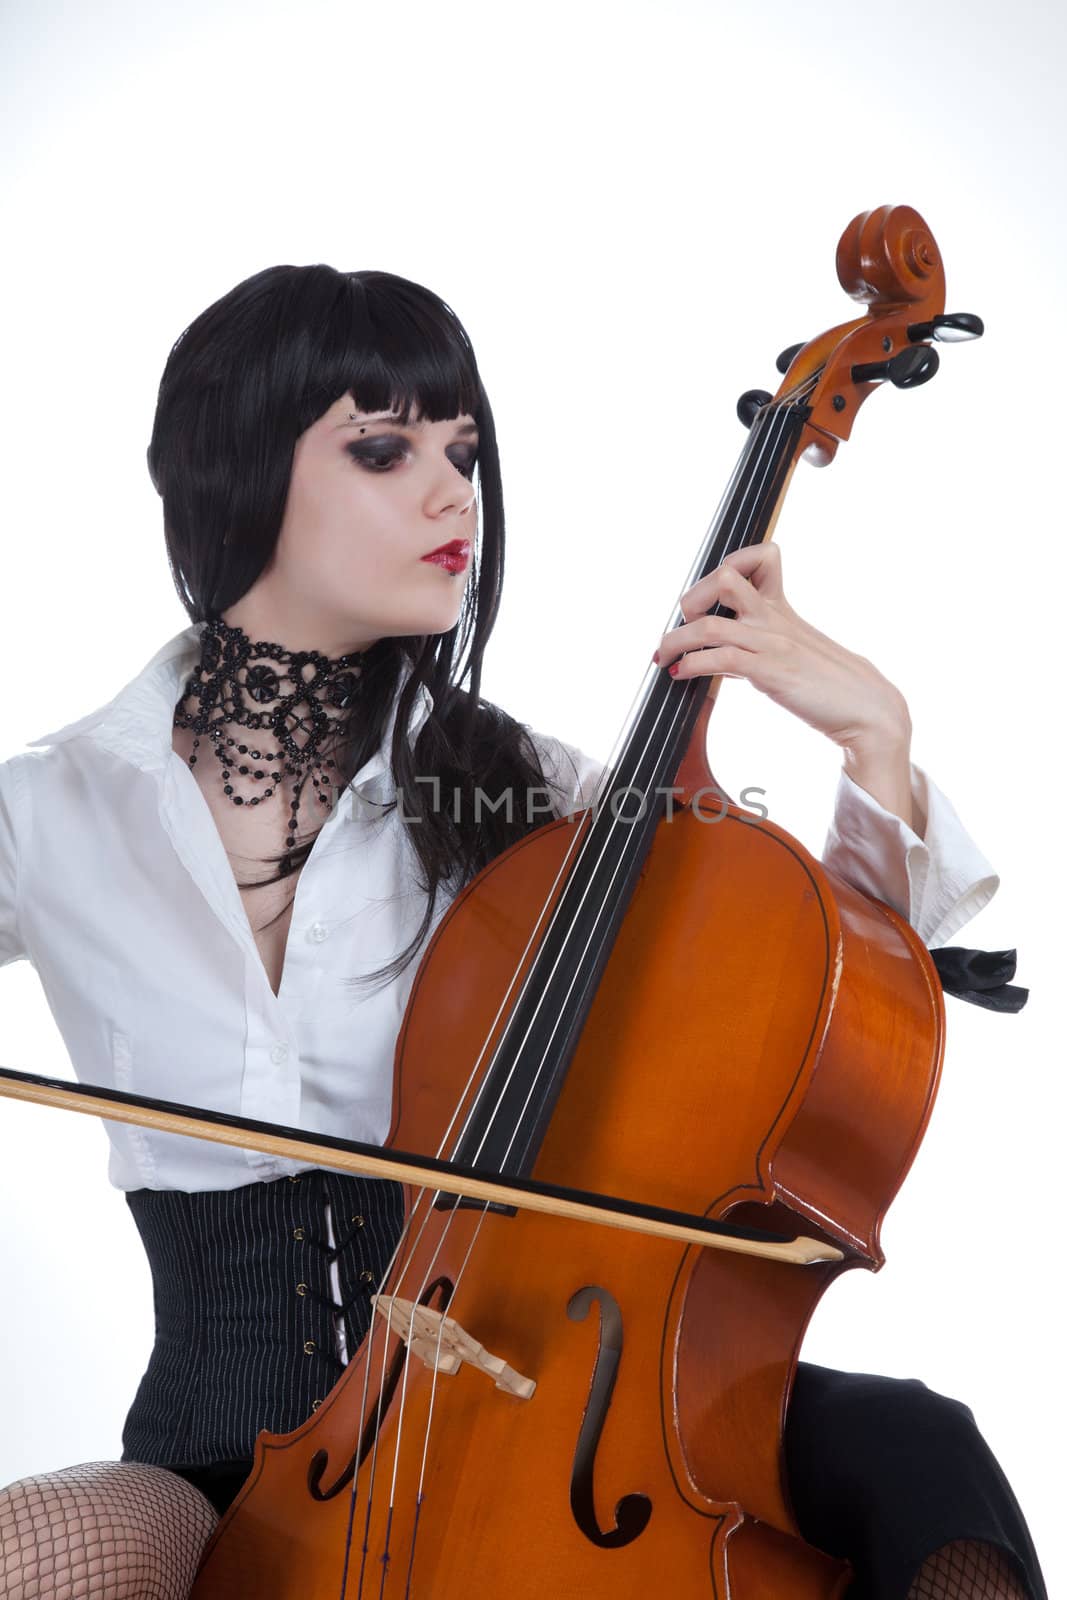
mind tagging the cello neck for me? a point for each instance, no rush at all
(504, 1129)
(661, 727)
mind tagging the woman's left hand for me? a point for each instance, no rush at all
(841, 694)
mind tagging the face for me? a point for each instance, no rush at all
(368, 500)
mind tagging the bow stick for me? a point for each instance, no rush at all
(374, 1161)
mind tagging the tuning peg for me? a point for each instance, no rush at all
(906, 370)
(952, 328)
(750, 405)
(787, 357)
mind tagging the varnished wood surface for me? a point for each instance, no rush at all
(695, 1421)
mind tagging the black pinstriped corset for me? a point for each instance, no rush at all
(246, 1319)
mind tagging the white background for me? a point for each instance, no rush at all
(632, 208)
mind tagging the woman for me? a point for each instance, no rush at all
(315, 444)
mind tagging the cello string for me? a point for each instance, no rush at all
(385, 1557)
(482, 1144)
(405, 1235)
(768, 442)
(368, 1357)
(618, 746)
(676, 707)
(445, 1231)
(435, 1365)
(771, 442)
(419, 1492)
(368, 1511)
(400, 1430)
(412, 1252)
(586, 845)
(435, 1370)
(605, 905)
(766, 447)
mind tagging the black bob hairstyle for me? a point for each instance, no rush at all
(241, 384)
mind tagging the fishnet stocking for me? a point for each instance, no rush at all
(105, 1530)
(967, 1570)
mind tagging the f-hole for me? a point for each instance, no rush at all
(442, 1288)
(633, 1510)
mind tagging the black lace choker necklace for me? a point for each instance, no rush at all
(297, 688)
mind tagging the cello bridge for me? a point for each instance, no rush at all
(443, 1344)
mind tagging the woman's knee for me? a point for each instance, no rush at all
(101, 1530)
(857, 1443)
(865, 1408)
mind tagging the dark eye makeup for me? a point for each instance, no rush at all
(378, 455)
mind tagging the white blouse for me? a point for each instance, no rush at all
(115, 885)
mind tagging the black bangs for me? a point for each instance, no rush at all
(401, 349)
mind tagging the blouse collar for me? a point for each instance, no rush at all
(137, 724)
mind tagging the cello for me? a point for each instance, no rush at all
(573, 1023)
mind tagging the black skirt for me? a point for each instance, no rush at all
(882, 1471)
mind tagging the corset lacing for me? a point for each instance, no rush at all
(262, 1293)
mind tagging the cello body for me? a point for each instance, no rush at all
(808, 1099)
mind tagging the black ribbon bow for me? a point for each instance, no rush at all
(980, 976)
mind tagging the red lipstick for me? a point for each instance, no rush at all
(452, 556)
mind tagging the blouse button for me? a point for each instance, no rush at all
(301, 1288)
(309, 1347)
(318, 932)
(279, 1053)
(298, 1233)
